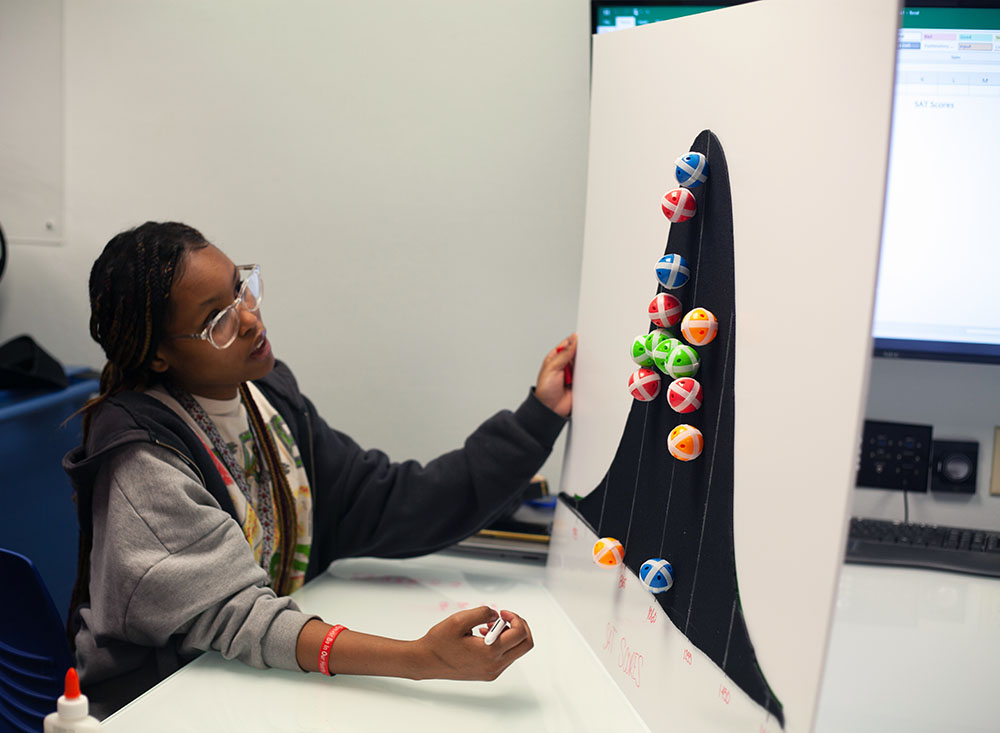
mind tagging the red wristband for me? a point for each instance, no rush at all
(324, 648)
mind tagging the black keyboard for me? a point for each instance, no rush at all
(924, 546)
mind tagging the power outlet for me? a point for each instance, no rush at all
(894, 456)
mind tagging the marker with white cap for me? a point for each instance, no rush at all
(496, 629)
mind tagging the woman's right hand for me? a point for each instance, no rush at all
(450, 651)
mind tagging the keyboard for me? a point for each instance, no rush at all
(960, 550)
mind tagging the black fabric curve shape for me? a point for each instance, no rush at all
(657, 506)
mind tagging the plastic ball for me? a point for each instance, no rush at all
(661, 353)
(654, 337)
(691, 169)
(678, 205)
(682, 361)
(665, 310)
(656, 575)
(685, 442)
(608, 552)
(684, 395)
(644, 384)
(672, 271)
(639, 354)
(700, 327)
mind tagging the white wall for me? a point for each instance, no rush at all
(411, 177)
(961, 402)
(31, 122)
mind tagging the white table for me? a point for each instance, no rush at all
(911, 650)
(558, 686)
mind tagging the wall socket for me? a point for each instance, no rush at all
(894, 456)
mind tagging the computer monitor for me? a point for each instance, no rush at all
(938, 293)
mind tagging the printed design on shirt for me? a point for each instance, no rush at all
(248, 453)
(254, 534)
(260, 527)
(275, 564)
(301, 562)
(265, 536)
(290, 459)
(245, 513)
(281, 431)
(227, 478)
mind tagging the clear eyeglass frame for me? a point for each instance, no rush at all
(223, 329)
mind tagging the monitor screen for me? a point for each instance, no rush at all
(938, 293)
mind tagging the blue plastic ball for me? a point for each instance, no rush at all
(672, 271)
(691, 170)
(656, 575)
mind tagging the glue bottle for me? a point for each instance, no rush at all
(72, 709)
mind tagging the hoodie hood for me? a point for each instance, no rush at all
(128, 417)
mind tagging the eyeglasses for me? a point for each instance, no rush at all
(222, 330)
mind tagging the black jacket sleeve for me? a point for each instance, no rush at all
(366, 505)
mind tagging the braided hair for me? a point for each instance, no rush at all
(129, 297)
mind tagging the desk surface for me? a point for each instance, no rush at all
(559, 686)
(911, 650)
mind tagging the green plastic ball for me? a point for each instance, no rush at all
(683, 361)
(662, 352)
(639, 354)
(654, 337)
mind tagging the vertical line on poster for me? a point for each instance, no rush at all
(729, 635)
(701, 228)
(638, 471)
(604, 501)
(666, 512)
(711, 469)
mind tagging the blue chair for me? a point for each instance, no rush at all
(34, 652)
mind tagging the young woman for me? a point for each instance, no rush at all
(208, 488)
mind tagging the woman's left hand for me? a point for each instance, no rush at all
(553, 387)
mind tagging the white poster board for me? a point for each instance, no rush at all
(799, 94)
